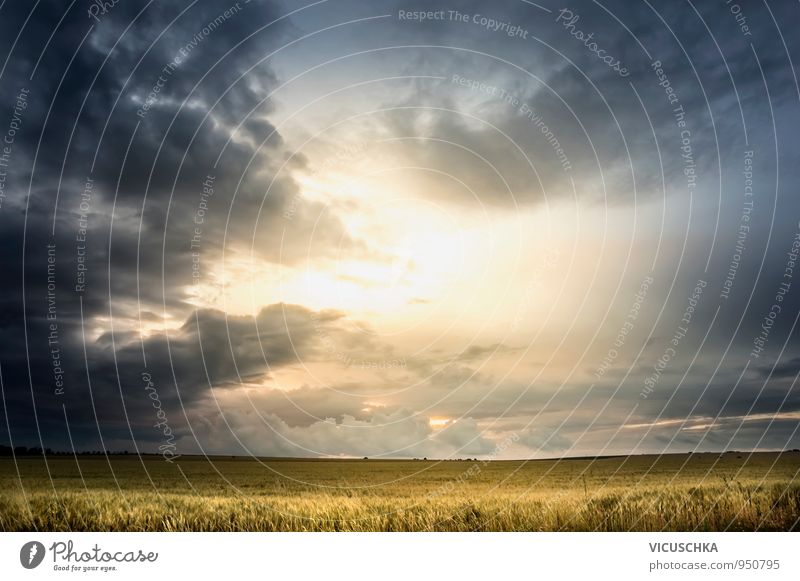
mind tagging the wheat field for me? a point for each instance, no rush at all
(705, 492)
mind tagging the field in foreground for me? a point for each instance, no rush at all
(733, 491)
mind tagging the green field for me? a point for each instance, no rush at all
(733, 491)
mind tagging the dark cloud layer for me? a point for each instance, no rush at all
(155, 124)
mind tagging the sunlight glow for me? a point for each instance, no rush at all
(439, 423)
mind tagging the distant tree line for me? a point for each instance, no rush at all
(24, 451)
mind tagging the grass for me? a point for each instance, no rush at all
(706, 492)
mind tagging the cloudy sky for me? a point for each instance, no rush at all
(399, 229)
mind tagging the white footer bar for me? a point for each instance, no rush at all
(400, 556)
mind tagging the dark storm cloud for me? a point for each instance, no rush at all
(141, 106)
(308, 405)
(786, 369)
(213, 348)
(127, 167)
(565, 97)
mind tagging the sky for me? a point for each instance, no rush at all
(399, 229)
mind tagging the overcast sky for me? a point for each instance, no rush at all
(398, 229)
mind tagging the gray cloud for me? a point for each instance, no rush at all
(217, 118)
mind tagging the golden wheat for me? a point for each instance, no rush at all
(705, 492)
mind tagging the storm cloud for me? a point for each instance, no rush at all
(343, 229)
